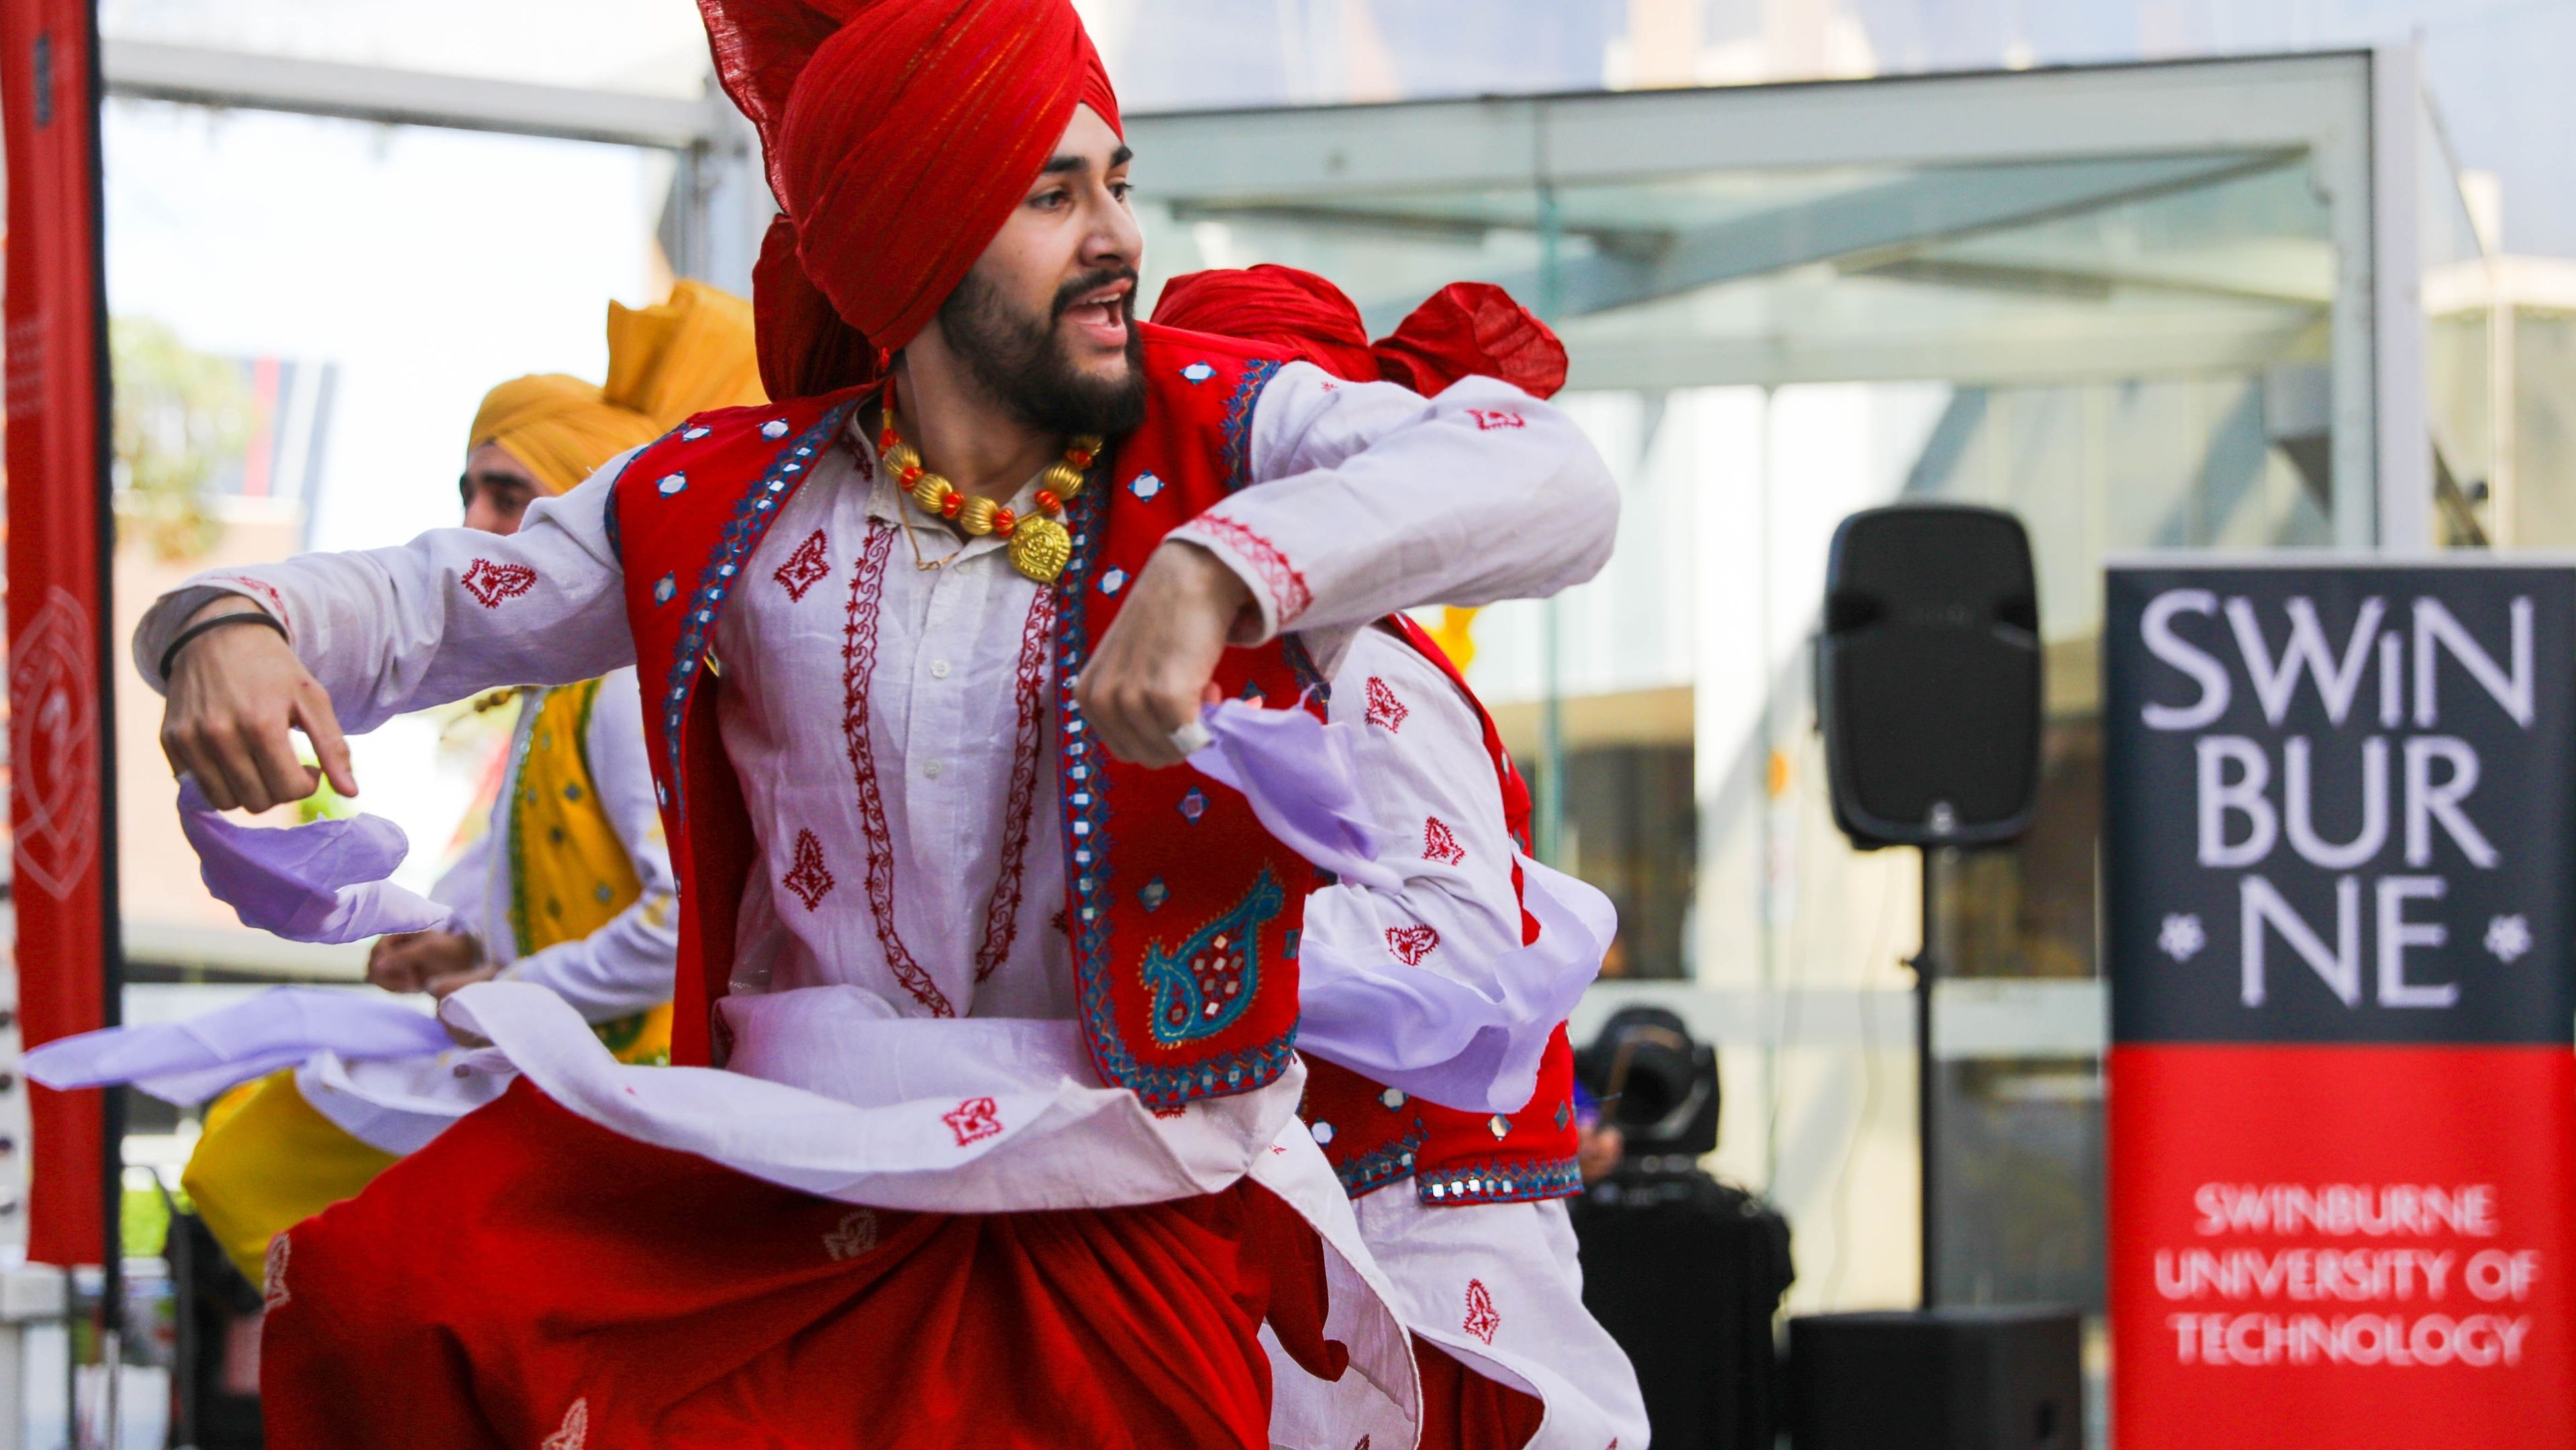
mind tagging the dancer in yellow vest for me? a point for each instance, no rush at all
(568, 884)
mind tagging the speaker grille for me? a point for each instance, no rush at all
(1928, 676)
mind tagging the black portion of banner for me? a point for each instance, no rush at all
(2341, 803)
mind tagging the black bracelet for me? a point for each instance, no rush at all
(238, 616)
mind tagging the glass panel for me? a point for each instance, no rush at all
(2458, 362)
(2544, 427)
(2457, 407)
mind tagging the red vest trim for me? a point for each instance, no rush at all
(1184, 959)
(1183, 912)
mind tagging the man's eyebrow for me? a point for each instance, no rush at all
(1062, 164)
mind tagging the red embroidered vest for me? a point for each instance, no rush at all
(1374, 1135)
(1184, 913)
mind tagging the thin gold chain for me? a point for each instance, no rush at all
(926, 566)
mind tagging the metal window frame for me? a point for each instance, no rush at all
(2353, 113)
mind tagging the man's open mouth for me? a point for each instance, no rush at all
(1100, 314)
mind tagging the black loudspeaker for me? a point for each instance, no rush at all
(1928, 676)
(1947, 1379)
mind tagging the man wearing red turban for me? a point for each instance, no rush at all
(982, 1124)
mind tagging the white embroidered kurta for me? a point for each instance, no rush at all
(885, 722)
(625, 966)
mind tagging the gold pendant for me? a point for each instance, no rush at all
(1040, 548)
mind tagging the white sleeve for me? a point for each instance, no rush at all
(1429, 987)
(1373, 499)
(452, 612)
(1428, 780)
(627, 965)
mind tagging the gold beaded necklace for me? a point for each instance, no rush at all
(1040, 545)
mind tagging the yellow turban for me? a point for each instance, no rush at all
(685, 356)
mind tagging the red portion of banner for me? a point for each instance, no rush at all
(56, 719)
(2354, 1246)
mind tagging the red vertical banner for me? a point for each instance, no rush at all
(2340, 807)
(59, 536)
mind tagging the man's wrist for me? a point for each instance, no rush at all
(203, 623)
(222, 605)
(1211, 577)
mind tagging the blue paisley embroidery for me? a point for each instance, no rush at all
(1201, 987)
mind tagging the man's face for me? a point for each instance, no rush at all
(1047, 318)
(497, 490)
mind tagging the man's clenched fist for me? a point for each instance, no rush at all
(1157, 664)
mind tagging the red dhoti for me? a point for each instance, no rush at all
(531, 1279)
(1464, 1410)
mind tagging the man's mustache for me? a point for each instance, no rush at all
(1066, 295)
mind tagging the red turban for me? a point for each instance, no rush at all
(1465, 329)
(1473, 328)
(898, 135)
(1296, 311)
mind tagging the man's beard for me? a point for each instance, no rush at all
(1017, 361)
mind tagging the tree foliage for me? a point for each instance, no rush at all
(181, 418)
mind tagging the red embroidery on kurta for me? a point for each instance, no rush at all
(1439, 843)
(272, 1289)
(1487, 420)
(973, 1120)
(858, 668)
(804, 567)
(491, 583)
(1002, 916)
(855, 1235)
(1411, 943)
(1384, 708)
(858, 664)
(1482, 1320)
(265, 590)
(808, 877)
(1289, 595)
(575, 1434)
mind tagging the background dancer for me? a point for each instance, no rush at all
(567, 881)
(1001, 1113)
(1459, 1204)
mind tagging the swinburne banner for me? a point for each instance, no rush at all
(59, 712)
(2340, 845)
